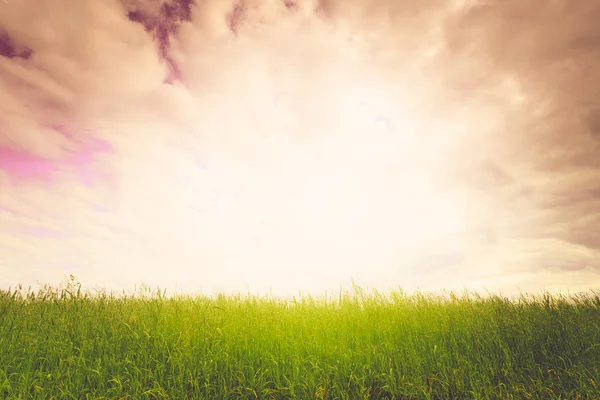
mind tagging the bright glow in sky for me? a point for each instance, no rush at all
(296, 145)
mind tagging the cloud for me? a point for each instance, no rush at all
(294, 144)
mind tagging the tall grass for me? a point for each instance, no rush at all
(66, 344)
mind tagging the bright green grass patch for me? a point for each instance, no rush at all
(65, 344)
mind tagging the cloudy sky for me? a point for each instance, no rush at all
(218, 145)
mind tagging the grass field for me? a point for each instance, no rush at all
(66, 344)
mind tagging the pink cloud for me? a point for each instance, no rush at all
(24, 165)
(83, 159)
(85, 154)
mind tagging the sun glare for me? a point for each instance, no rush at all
(362, 192)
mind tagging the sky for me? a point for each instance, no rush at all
(296, 145)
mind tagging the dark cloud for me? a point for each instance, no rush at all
(593, 122)
(164, 28)
(236, 17)
(11, 50)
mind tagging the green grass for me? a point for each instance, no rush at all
(65, 344)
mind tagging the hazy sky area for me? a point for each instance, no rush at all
(211, 145)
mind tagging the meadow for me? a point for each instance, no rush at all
(62, 343)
